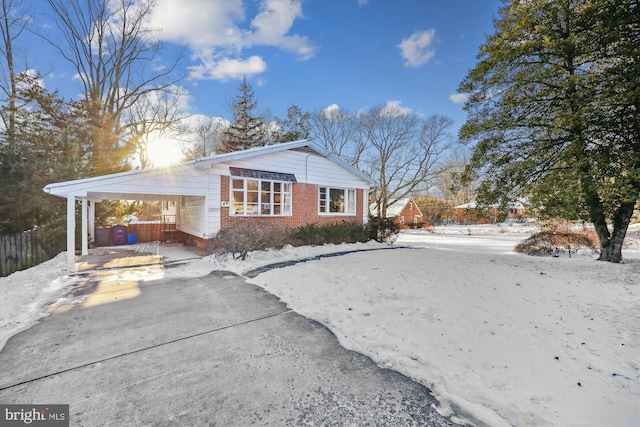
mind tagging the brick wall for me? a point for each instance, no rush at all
(409, 212)
(305, 209)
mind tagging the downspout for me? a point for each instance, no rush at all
(306, 186)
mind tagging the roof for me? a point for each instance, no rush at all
(396, 208)
(83, 187)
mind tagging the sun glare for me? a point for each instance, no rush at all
(164, 152)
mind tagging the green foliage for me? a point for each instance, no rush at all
(553, 105)
(48, 145)
(335, 233)
(246, 129)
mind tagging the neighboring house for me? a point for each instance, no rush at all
(404, 212)
(468, 212)
(169, 211)
(289, 185)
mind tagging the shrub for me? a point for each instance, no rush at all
(556, 242)
(244, 238)
(340, 232)
(382, 229)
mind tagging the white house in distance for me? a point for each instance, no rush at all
(289, 185)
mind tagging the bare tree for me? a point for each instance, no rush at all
(113, 53)
(207, 138)
(449, 183)
(403, 152)
(295, 126)
(156, 115)
(13, 23)
(271, 129)
(335, 131)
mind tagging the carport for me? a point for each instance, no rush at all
(162, 184)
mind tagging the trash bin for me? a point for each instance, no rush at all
(103, 235)
(132, 237)
(119, 234)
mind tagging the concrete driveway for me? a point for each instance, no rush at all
(127, 349)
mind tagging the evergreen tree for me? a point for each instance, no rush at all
(50, 145)
(246, 129)
(553, 103)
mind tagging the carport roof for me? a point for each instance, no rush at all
(156, 182)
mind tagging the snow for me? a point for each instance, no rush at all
(501, 338)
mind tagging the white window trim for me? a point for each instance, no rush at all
(347, 201)
(260, 181)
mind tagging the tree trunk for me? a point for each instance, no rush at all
(611, 246)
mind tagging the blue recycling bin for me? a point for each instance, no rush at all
(132, 238)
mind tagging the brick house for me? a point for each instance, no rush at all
(405, 212)
(289, 185)
(467, 213)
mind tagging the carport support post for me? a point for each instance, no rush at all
(71, 233)
(92, 220)
(85, 228)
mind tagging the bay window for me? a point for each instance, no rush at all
(260, 197)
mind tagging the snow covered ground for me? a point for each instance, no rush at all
(500, 338)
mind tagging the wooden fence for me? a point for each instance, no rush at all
(144, 231)
(20, 251)
(150, 232)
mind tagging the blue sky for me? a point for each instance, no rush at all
(316, 53)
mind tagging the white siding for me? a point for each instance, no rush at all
(191, 215)
(213, 205)
(307, 168)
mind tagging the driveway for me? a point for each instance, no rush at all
(129, 348)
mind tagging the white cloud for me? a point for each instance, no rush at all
(331, 112)
(272, 26)
(227, 68)
(363, 2)
(198, 24)
(393, 108)
(458, 98)
(217, 32)
(32, 74)
(417, 50)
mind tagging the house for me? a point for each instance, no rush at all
(467, 212)
(404, 211)
(169, 211)
(289, 185)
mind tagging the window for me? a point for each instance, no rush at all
(337, 201)
(260, 197)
